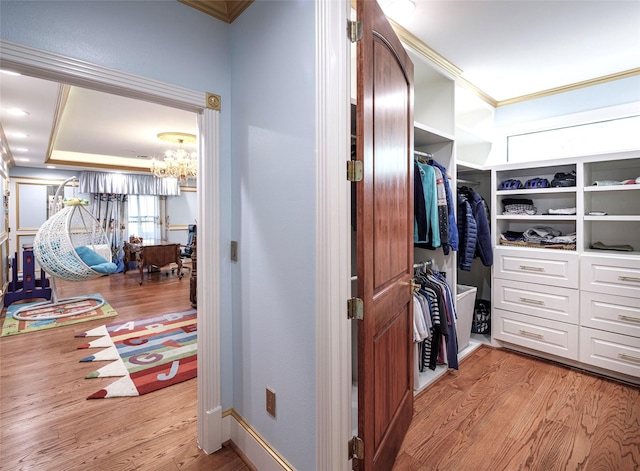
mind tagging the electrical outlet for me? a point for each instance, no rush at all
(234, 251)
(271, 402)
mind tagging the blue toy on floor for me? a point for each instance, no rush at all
(29, 287)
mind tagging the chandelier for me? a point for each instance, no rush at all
(178, 164)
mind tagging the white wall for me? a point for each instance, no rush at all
(273, 147)
(606, 101)
(162, 40)
(604, 95)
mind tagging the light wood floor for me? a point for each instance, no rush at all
(506, 411)
(46, 423)
(501, 411)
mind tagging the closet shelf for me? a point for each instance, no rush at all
(539, 191)
(613, 218)
(537, 217)
(596, 188)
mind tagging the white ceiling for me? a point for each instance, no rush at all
(512, 48)
(507, 49)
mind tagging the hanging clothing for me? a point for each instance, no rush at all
(430, 216)
(468, 231)
(443, 216)
(483, 247)
(453, 228)
(434, 309)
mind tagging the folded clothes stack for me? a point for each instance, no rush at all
(563, 211)
(631, 181)
(515, 206)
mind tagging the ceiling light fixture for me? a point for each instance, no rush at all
(398, 9)
(17, 112)
(179, 163)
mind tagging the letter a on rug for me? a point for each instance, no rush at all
(149, 353)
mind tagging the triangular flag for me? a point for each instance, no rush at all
(116, 368)
(97, 332)
(110, 353)
(122, 387)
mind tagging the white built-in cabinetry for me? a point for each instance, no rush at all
(578, 305)
(451, 124)
(434, 133)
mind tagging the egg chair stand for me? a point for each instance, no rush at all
(68, 246)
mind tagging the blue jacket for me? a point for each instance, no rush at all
(483, 246)
(468, 232)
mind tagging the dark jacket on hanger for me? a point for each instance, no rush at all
(468, 233)
(483, 249)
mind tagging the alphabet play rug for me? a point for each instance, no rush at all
(149, 353)
(13, 326)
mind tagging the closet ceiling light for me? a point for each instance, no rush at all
(179, 163)
(399, 9)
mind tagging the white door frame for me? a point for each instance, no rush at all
(50, 66)
(333, 235)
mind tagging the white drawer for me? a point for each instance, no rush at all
(611, 313)
(611, 275)
(549, 302)
(557, 338)
(612, 351)
(549, 267)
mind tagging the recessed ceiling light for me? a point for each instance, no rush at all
(399, 9)
(51, 166)
(17, 112)
(23, 159)
(19, 135)
(21, 149)
(10, 72)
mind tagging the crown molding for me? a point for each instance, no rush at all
(226, 11)
(429, 53)
(571, 87)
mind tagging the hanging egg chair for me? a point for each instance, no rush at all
(71, 245)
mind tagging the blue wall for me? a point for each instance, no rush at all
(273, 147)
(162, 40)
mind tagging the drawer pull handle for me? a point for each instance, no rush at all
(530, 268)
(629, 278)
(627, 317)
(626, 356)
(532, 301)
(531, 334)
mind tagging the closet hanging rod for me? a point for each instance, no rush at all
(423, 154)
(467, 182)
(428, 263)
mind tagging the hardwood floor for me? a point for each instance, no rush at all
(500, 411)
(47, 424)
(506, 411)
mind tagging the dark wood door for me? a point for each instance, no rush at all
(384, 239)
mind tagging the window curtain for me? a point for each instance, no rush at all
(111, 212)
(144, 217)
(121, 184)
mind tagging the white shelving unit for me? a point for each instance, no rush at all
(580, 306)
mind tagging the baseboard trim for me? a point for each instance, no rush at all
(249, 445)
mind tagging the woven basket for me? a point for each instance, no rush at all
(55, 243)
(521, 243)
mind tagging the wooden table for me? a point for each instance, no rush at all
(152, 254)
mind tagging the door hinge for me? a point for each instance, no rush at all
(355, 30)
(356, 448)
(354, 170)
(355, 309)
